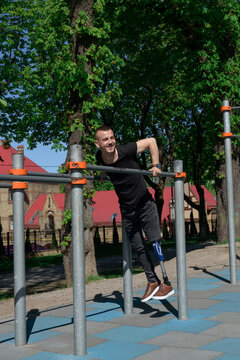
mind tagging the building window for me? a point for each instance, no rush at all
(50, 222)
(11, 223)
(10, 196)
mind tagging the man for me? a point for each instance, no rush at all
(137, 206)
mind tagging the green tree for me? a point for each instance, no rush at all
(53, 67)
(181, 60)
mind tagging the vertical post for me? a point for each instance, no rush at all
(19, 258)
(180, 242)
(230, 202)
(35, 239)
(8, 243)
(127, 273)
(78, 251)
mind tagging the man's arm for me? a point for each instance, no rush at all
(151, 145)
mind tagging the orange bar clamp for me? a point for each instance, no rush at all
(79, 181)
(181, 175)
(226, 108)
(19, 185)
(18, 171)
(76, 165)
(227, 135)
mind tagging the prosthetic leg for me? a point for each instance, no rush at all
(158, 252)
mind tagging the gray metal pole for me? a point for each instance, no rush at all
(19, 258)
(127, 273)
(78, 251)
(230, 202)
(180, 243)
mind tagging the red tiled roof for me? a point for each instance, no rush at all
(59, 200)
(31, 218)
(105, 205)
(209, 197)
(6, 162)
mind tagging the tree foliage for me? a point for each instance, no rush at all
(146, 68)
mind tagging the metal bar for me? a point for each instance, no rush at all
(19, 259)
(5, 185)
(127, 273)
(103, 168)
(180, 243)
(126, 170)
(38, 179)
(235, 136)
(48, 174)
(234, 107)
(230, 201)
(78, 251)
(47, 179)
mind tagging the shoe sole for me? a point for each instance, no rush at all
(164, 297)
(151, 295)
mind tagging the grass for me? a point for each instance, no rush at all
(6, 263)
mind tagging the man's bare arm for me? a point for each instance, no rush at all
(151, 145)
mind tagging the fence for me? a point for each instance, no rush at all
(19, 177)
(40, 240)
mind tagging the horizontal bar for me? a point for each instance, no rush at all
(235, 136)
(235, 107)
(106, 169)
(66, 179)
(5, 185)
(126, 171)
(36, 173)
(38, 179)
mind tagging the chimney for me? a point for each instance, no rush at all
(20, 149)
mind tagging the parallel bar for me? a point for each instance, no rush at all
(37, 179)
(230, 201)
(19, 259)
(180, 243)
(45, 179)
(127, 274)
(48, 174)
(126, 170)
(78, 251)
(5, 185)
(103, 168)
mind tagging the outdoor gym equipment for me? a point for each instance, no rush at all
(227, 135)
(20, 177)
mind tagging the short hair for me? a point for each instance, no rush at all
(102, 128)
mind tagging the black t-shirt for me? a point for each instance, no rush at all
(130, 188)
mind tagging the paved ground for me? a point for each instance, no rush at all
(153, 331)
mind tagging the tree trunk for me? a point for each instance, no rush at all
(80, 124)
(203, 224)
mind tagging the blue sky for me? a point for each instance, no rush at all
(48, 159)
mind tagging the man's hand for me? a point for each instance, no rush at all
(155, 170)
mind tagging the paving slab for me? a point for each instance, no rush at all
(153, 331)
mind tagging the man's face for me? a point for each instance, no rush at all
(105, 141)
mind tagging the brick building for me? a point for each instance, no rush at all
(34, 191)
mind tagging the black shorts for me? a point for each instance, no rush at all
(143, 218)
